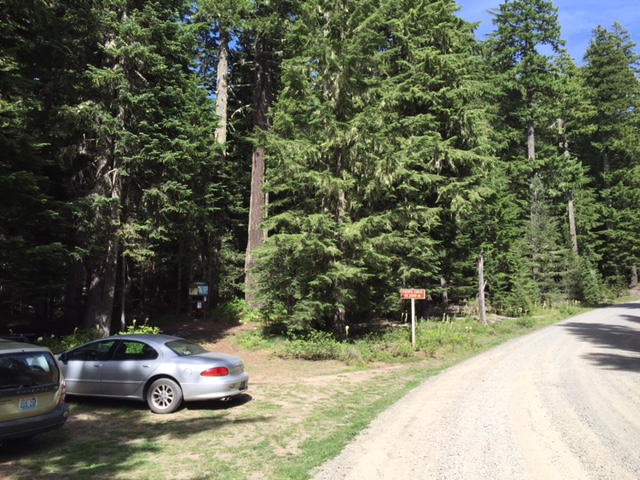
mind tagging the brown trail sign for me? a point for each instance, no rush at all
(413, 294)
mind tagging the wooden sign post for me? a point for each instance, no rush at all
(413, 294)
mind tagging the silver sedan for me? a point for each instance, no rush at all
(160, 369)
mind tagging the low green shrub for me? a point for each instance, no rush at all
(390, 346)
(526, 322)
(570, 310)
(134, 328)
(78, 337)
(235, 310)
(316, 345)
(254, 340)
(353, 355)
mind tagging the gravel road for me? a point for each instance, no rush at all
(561, 403)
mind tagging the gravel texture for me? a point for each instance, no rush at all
(561, 403)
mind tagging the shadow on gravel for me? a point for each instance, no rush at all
(623, 341)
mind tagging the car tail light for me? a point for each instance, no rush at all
(215, 372)
(64, 392)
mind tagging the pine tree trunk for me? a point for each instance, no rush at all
(481, 287)
(101, 292)
(256, 235)
(74, 298)
(263, 97)
(103, 275)
(534, 194)
(606, 169)
(531, 130)
(445, 294)
(179, 274)
(564, 145)
(572, 225)
(222, 86)
(123, 294)
(222, 106)
(340, 315)
(531, 142)
(101, 295)
(633, 284)
(340, 322)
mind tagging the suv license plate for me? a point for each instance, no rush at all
(28, 403)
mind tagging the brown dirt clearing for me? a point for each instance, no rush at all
(283, 394)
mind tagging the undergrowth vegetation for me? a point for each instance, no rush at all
(286, 426)
(78, 337)
(388, 343)
(393, 343)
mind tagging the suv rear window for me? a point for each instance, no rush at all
(27, 369)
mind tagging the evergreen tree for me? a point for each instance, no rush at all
(31, 251)
(142, 158)
(266, 30)
(218, 26)
(375, 145)
(583, 216)
(527, 84)
(610, 147)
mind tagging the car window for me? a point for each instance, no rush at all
(92, 351)
(132, 350)
(185, 348)
(25, 369)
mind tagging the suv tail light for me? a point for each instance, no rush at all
(215, 372)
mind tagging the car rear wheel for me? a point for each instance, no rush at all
(164, 396)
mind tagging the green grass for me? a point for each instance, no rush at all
(328, 443)
(393, 344)
(284, 431)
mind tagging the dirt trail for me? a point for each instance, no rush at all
(562, 403)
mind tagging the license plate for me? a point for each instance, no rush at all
(28, 403)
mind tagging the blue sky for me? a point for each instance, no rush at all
(578, 18)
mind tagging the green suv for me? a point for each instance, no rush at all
(32, 391)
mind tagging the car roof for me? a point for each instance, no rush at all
(12, 345)
(158, 339)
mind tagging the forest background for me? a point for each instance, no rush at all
(311, 157)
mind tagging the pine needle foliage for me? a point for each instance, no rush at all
(375, 143)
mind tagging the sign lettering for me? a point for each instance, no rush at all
(413, 294)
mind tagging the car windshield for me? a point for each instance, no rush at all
(26, 369)
(184, 348)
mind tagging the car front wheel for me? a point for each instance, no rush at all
(164, 396)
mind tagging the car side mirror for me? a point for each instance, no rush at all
(64, 357)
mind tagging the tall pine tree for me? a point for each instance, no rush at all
(610, 147)
(527, 85)
(32, 253)
(375, 145)
(142, 138)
